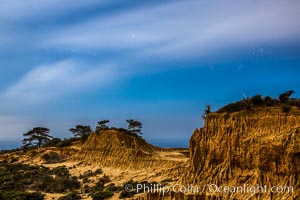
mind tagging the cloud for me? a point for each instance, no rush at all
(173, 30)
(14, 10)
(52, 80)
(183, 29)
(177, 30)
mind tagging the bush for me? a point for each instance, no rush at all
(258, 101)
(105, 179)
(21, 177)
(100, 191)
(269, 101)
(285, 97)
(90, 173)
(22, 195)
(70, 196)
(61, 171)
(86, 174)
(14, 159)
(286, 108)
(52, 157)
(53, 142)
(98, 187)
(113, 188)
(86, 189)
(4, 161)
(32, 196)
(98, 171)
(233, 107)
(86, 180)
(63, 184)
(33, 153)
(126, 194)
(101, 195)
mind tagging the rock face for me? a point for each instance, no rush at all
(122, 150)
(253, 148)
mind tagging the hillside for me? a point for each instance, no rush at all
(118, 149)
(250, 147)
(258, 147)
(116, 155)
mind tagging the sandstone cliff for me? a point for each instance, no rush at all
(123, 150)
(258, 147)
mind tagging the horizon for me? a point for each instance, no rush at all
(65, 63)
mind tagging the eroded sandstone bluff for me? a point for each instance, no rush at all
(249, 148)
(124, 151)
(258, 147)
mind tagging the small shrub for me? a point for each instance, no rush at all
(70, 196)
(126, 194)
(32, 196)
(33, 153)
(4, 161)
(98, 187)
(86, 180)
(113, 188)
(21, 177)
(63, 184)
(286, 108)
(22, 195)
(61, 171)
(86, 189)
(99, 191)
(14, 159)
(98, 171)
(101, 195)
(257, 101)
(105, 179)
(53, 142)
(90, 173)
(86, 174)
(52, 157)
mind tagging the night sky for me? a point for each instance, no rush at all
(64, 62)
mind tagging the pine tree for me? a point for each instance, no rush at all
(102, 125)
(135, 127)
(36, 137)
(81, 131)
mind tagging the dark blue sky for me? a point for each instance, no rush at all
(65, 63)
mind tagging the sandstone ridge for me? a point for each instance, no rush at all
(254, 147)
(120, 149)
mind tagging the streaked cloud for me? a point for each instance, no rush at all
(14, 10)
(52, 80)
(184, 28)
(161, 31)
